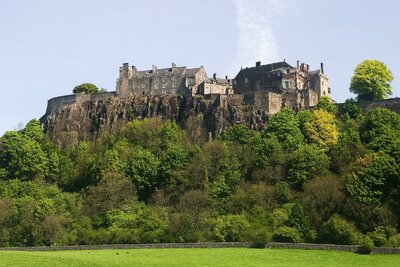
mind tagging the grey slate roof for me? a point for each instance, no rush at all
(183, 70)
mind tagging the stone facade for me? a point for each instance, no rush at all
(215, 85)
(167, 81)
(286, 86)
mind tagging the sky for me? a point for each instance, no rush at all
(48, 47)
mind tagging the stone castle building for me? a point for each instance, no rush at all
(169, 81)
(277, 85)
(283, 85)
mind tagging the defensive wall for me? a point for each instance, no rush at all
(56, 103)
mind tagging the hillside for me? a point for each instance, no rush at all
(320, 175)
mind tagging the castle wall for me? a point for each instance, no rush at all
(56, 103)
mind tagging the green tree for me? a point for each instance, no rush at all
(351, 108)
(21, 157)
(321, 129)
(379, 122)
(306, 163)
(339, 231)
(373, 178)
(33, 130)
(371, 80)
(285, 126)
(142, 169)
(325, 103)
(85, 88)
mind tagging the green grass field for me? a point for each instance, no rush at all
(196, 257)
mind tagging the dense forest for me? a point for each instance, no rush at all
(316, 176)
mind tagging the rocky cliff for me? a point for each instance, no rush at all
(74, 118)
(71, 119)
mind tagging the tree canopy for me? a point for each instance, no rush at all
(85, 88)
(314, 176)
(371, 80)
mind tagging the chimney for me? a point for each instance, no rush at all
(125, 65)
(215, 76)
(322, 68)
(298, 64)
(154, 67)
(173, 65)
(226, 77)
(258, 63)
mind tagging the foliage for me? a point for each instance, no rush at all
(371, 80)
(142, 169)
(229, 228)
(351, 108)
(306, 163)
(285, 127)
(338, 231)
(154, 182)
(366, 246)
(325, 103)
(321, 129)
(85, 88)
(379, 122)
(287, 234)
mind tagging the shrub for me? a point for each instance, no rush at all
(287, 234)
(367, 245)
(394, 241)
(230, 228)
(339, 231)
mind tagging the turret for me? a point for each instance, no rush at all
(125, 74)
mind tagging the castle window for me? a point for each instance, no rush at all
(155, 80)
(174, 78)
(173, 85)
(164, 85)
(164, 79)
(174, 91)
(286, 84)
(143, 85)
(246, 81)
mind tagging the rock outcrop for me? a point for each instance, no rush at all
(71, 119)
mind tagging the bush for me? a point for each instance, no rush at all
(367, 245)
(287, 234)
(378, 236)
(339, 231)
(394, 241)
(230, 228)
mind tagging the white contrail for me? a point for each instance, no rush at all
(256, 40)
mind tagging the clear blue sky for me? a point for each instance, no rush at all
(48, 47)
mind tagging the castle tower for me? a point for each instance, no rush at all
(125, 75)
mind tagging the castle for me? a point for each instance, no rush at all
(277, 85)
(187, 96)
(205, 106)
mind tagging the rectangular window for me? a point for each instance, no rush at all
(173, 85)
(286, 84)
(164, 86)
(164, 79)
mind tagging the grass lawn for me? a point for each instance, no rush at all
(196, 257)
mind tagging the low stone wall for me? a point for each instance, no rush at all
(272, 245)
